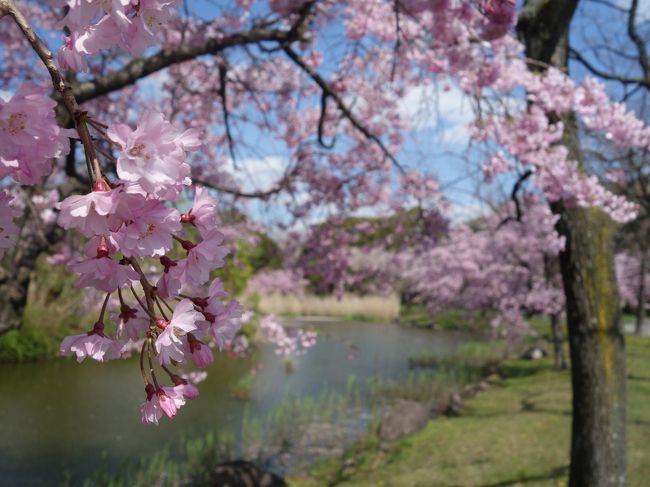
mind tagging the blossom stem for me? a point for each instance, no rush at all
(101, 314)
(142, 305)
(100, 127)
(8, 7)
(146, 286)
(151, 369)
(142, 371)
(162, 311)
(169, 372)
(171, 310)
(119, 295)
(106, 155)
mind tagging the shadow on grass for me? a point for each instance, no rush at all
(555, 473)
(522, 368)
(638, 378)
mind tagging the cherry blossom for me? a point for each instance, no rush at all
(103, 273)
(132, 323)
(93, 344)
(148, 230)
(201, 353)
(29, 135)
(202, 214)
(169, 344)
(344, 147)
(89, 214)
(153, 155)
(207, 254)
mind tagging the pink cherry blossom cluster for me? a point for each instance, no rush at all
(628, 278)
(30, 139)
(287, 341)
(510, 268)
(29, 135)
(277, 281)
(100, 25)
(531, 133)
(128, 220)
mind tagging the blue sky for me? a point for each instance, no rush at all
(439, 143)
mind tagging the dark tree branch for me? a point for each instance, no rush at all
(609, 76)
(321, 123)
(610, 5)
(515, 198)
(398, 40)
(223, 71)
(347, 113)
(280, 185)
(638, 42)
(140, 68)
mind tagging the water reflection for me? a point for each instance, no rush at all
(62, 419)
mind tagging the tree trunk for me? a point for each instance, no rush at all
(598, 441)
(558, 350)
(15, 276)
(20, 261)
(640, 306)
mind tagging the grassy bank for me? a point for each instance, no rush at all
(451, 320)
(54, 309)
(303, 430)
(516, 433)
(383, 308)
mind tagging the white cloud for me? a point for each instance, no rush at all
(6, 95)
(257, 174)
(433, 106)
(462, 213)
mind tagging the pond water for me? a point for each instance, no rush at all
(62, 420)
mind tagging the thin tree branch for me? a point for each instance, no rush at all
(347, 113)
(8, 7)
(638, 41)
(223, 71)
(140, 68)
(609, 76)
(321, 124)
(515, 198)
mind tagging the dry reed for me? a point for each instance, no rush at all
(350, 306)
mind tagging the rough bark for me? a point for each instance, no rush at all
(598, 441)
(14, 283)
(640, 307)
(15, 275)
(20, 261)
(558, 348)
(551, 269)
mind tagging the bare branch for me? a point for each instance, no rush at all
(638, 41)
(223, 71)
(140, 68)
(515, 198)
(609, 76)
(281, 185)
(8, 7)
(321, 123)
(347, 113)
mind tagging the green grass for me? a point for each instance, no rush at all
(39, 337)
(53, 311)
(477, 355)
(199, 457)
(516, 433)
(452, 320)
